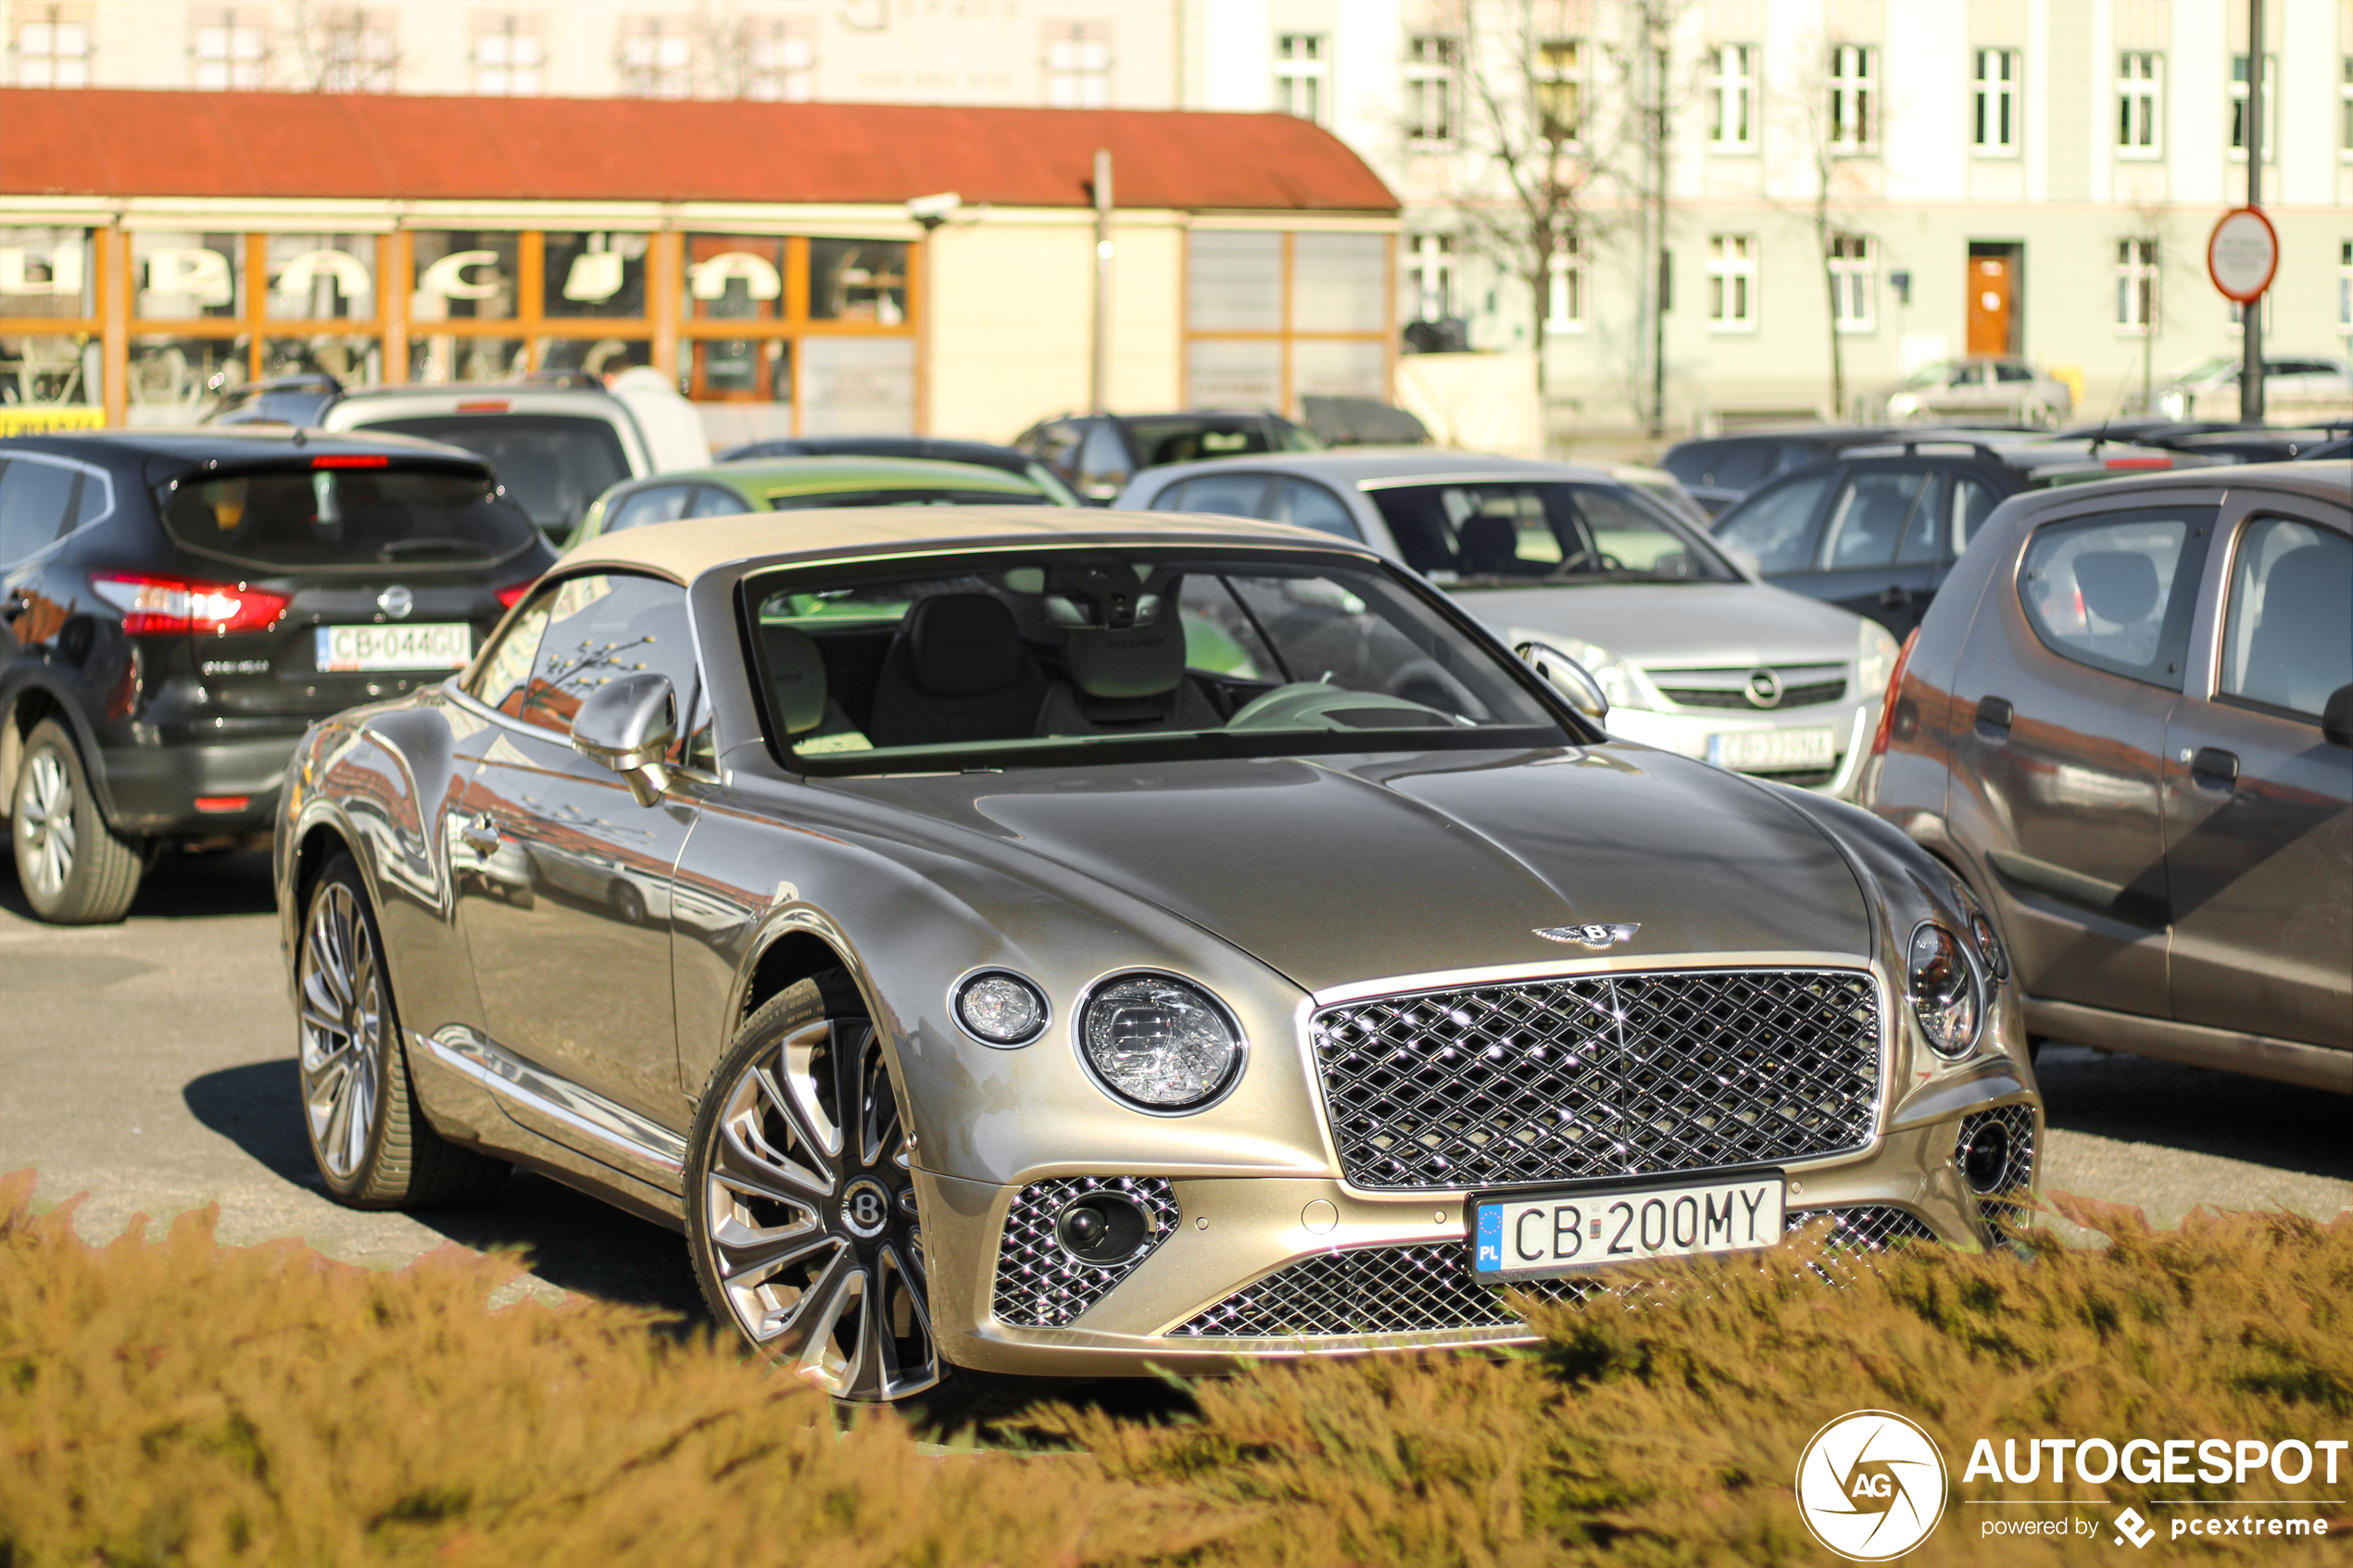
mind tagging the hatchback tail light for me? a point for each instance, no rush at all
(151, 606)
(2139, 462)
(1887, 705)
(513, 596)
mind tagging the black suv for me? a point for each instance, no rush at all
(176, 608)
(1719, 470)
(1876, 528)
(1097, 454)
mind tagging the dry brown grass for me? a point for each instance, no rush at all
(181, 1401)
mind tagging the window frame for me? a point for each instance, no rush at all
(1303, 67)
(2189, 572)
(2146, 94)
(1855, 280)
(2139, 278)
(1996, 98)
(2260, 508)
(1733, 275)
(1556, 72)
(1854, 106)
(2235, 111)
(1731, 82)
(1566, 281)
(1433, 61)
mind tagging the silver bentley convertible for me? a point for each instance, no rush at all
(1011, 942)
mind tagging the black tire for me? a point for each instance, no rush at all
(74, 868)
(372, 1144)
(756, 1168)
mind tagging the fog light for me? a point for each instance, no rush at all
(1985, 1158)
(1103, 1228)
(1001, 1008)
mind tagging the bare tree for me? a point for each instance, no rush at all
(2146, 252)
(339, 52)
(1838, 121)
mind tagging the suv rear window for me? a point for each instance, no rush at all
(293, 519)
(552, 465)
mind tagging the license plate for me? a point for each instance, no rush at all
(1750, 749)
(434, 646)
(1544, 1236)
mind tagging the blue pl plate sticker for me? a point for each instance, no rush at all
(1491, 1237)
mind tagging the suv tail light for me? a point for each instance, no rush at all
(158, 604)
(513, 596)
(1887, 705)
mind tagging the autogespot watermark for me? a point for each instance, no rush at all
(1871, 1486)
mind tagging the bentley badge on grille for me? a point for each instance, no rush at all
(1588, 935)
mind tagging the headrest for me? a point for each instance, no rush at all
(1126, 661)
(2118, 585)
(1487, 544)
(962, 645)
(796, 677)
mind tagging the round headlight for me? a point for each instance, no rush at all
(1001, 1008)
(1159, 1041)
(1989, 947)
(1944, 988)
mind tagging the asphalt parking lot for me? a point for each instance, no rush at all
(149, 1066)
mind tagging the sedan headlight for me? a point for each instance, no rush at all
(1875, 654)
(1000, 1008)
(1159, 1043)
(1614, 675)
(1944, 990)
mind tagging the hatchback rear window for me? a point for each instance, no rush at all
(293, 519)
(552, 465)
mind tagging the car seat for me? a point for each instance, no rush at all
(798, 698)
(1487, 547)
(958, 671)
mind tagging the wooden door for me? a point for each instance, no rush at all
(1992, 286)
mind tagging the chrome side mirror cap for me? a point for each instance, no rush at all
(629, 724)
(1564, 675)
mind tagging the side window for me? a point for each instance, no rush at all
(36, 505)
(656, 503)
(1922, 540)
(1740, 466)
(1973, 502)
(2010, 370)
(1057, 442)
(716, 500)
(498, 681)
(2287, 640)
(1868, 516)
(1777, 525)
(1227, 494)
(2115, 592)
(1102, 461)
(599, 626)
(1311, 505)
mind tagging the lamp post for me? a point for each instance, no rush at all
(2251, 313)
(1099, 383)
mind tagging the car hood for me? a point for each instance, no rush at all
(1340, 869)
(1681, 625)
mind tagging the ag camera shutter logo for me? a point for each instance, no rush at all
(1870, 1485)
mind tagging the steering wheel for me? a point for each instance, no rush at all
(1428, 683)
(1310, 704)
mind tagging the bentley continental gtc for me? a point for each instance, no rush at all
(1018, 941)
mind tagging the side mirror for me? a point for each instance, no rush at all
(2337, 717)
(629, 724)
(1571, 679)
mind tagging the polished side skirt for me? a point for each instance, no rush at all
(534, 1097)
(2258, 1056)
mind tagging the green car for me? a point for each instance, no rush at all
(783, 485)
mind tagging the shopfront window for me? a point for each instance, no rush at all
(1272, 318)
(188, 277)
(463, 277)
(858, 281)
(322, 276)
(49, 345)
(172, 379)
(595, 275)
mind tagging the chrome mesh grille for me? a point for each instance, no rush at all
(1038, 1285)
(2005, 1208)
(1506, 1085)
(1427, 1287)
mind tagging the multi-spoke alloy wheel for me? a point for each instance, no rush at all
(804, 1222)
(343, 1031)
(74, 868)
(44, 824)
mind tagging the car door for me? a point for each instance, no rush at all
(2259, 825)
(1882, 549)
(566, 910)
(2063, 692)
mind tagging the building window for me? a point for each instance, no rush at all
(1731, 97)
(1299, 74)
(2345, 113)
(1429, 89)
(1560, 87)
(1078, 65)
(1565, 284)
(2271, 106)
(1994, 131)
(51, 51)
(778, 64)
(1853, 97)
(657, 62)
(1854, 263)
(2140, 105)
(1433, 271)
(2136, 273)
(2344, 287)
(355, 54)
(231, 51)
(1271, 318)
(508, 62)
(1731, 282)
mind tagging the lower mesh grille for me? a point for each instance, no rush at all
(1038, 1285)
(2005, 1207)
(1427, 1287)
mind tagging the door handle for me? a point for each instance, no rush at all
(1993, 715)
(480, 835)
(1895, 596)
(2213, 768)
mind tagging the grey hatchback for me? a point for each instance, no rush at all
(2127, 722)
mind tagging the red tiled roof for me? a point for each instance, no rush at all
(108, 143)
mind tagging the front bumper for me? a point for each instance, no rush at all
(1696, 733)
(1177, 1309)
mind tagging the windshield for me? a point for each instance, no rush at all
(913, 496)
(1511, 533)
(1053, 655)
(552, 465)
(336, 516)
(1186, 438)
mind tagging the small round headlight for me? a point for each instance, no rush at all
(1159, 1041)
(1944, 990)
(1989, 947)
(1003, 1009)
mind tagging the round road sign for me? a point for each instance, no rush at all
(2243, 254)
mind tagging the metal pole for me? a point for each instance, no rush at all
(2251, 313)
(1099, 383)
(1655, 47)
